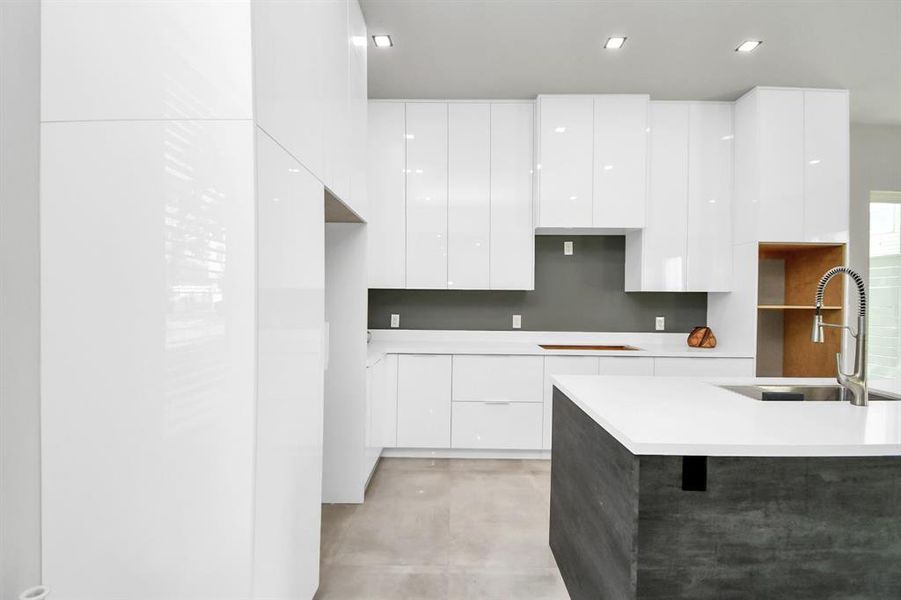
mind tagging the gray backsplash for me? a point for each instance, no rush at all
(582, 292)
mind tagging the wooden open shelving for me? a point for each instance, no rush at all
(788, 275)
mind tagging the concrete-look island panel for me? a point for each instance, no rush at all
(784, 500)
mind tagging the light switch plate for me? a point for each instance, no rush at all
(517, 321)
(567, 248)
(395, 321)
(660, 324)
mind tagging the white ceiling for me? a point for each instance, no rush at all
(677, 49)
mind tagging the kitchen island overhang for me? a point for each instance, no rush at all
(644, 504)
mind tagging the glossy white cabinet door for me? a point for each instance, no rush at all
(826, 164)
(709, 235)
(358, 43)
(663, 252)
(288, 91)
(387, 226)
(147, 359)
(565, 146)
(626, 365)
(423, 401)
(497, 378)
(468, 194)
(512, 233)
(178, 59)
(780, 155)
(426, 195)
(620, 160)
(383, 416)
(289, 406)
(335, 58)
(496, 425)
(704, 367)
(561, 365)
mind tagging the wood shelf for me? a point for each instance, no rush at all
(794, 307)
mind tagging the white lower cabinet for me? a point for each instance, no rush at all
(423, 401)
(497, 378)
(704, 367)
(497, 425)
(382, 402)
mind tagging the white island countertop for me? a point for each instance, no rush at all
(695, 417)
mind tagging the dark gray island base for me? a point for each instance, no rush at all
(622, 526)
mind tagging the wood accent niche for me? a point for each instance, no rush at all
(787, 281)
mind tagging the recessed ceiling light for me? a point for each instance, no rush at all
(382, 41)
(615, 43)
(748, 45)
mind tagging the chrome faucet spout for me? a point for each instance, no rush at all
(855, 382)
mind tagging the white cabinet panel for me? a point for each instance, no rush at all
(561, 365)
(709, 234)
(386, 229)
(826, 164)
(663, 241)
(497, 425)
(497, 378)
(335, 58)
(468, 194)
(288, 87)
(356, 149)
(426, 195)
(179, 59)
(704, 367)
(625, 365)
(620, 160)
(512, 233)
(566, 140)
(423, 401)
(289, 405)
(383, 414)
(147, 358)
(779, 157)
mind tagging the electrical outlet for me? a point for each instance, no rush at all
(395, 321)
(517, 321)
(567, 248)
(660, 324)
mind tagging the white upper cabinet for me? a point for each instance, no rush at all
(336, 84)
(386, 186)
(620, 160)
(512, 258)
(826, 164)
(687, 242)
(468, 195)
(565, 146)
(357, 41)
(426, 139)
(791, 166)
(709, 241)
(450, 188)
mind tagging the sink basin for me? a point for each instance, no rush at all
(796, 393)
(586, 347)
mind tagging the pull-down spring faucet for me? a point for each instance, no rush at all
(854, 383)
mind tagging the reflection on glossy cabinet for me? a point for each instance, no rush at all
(826, 166)
(468, 195)
(426, 137)
(386, 235)
(424, 401)
(709, 233)
(620, 160)
(565, 146)
(512, 258)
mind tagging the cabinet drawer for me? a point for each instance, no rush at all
(497, 425)
(704, 367)
(498, 378)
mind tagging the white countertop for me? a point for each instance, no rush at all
(528, 343)
(692, 416)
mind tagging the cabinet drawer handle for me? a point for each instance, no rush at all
(496, 402)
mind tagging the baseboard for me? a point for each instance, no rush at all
(457, 453)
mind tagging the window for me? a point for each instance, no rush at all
(885, 285)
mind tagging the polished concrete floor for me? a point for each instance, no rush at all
(448, 529)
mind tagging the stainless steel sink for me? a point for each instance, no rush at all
(797, 393)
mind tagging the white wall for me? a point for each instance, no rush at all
(344, 474)
(20, 493)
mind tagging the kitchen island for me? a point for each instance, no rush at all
(678, 488)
